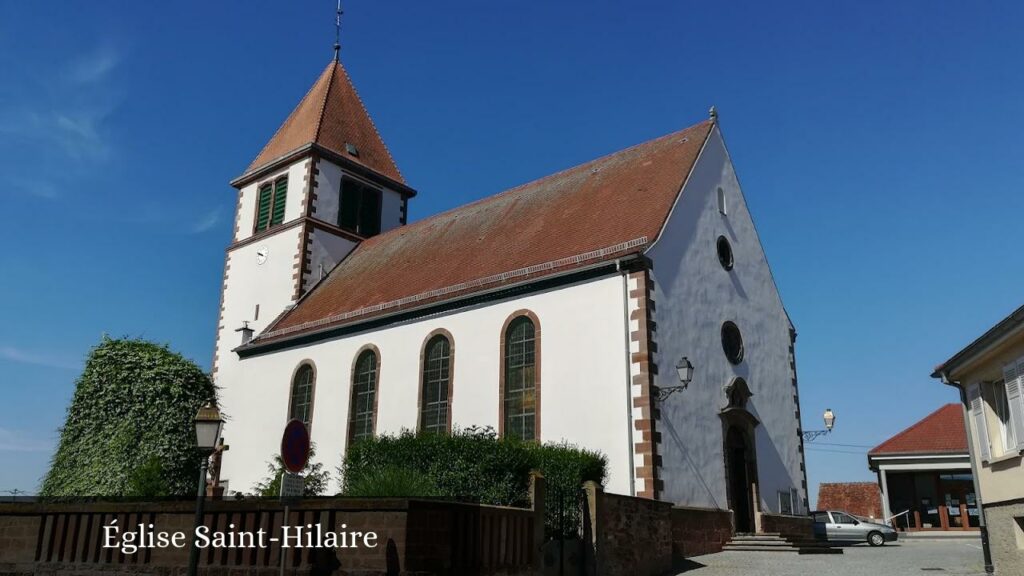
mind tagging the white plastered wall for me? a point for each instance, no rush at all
(583, 388)
(694, 295)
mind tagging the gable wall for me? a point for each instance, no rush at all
(693, 295)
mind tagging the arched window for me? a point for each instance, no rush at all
(364, 397)
(520, 380)
(300, 406)
(436, 384)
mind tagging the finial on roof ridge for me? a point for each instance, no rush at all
(713, 113)
(337, 33)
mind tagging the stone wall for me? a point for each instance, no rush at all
(792, 527)
(627, 535)
(699, 531)
(1006, 536)
(642, 537)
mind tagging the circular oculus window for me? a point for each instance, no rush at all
(725, 253)
(732, 342)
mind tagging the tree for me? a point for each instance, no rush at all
(314, 483)
(129, 429)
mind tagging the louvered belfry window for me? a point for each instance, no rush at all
(436, 384)
(360, 208)
(364, 393)
(270, 203)
(520, 380)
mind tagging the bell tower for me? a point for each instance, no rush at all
(323, 183)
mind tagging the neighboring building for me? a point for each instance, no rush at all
(557, 310)
(858, 498)
(989, 373)
(925, 474)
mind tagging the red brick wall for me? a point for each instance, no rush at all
(860, 498)
(698, 531)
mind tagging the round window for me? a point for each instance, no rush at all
(725, 253)
(732, 343)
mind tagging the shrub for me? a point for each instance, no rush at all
(133, 404)
(473, 464)
(393, 482)
(315, 478)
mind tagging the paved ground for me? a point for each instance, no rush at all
(959, 557)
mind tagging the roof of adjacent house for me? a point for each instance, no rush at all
(1006, 327)
(941, 431)
(595, 212)
(332, 116)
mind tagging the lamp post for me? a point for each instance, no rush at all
(830, 419)
(208, 424)
(684, 369)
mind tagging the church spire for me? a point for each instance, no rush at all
(331, 117)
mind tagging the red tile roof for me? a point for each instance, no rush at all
(603, 209)
(331, 115)
(941, 431)
(858, 498)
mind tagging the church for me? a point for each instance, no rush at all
(624, 305)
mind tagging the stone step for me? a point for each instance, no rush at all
(752, 548)
(760, 542)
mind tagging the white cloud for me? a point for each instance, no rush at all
(21, 356)
(65, 110)
(21, 441)
(206, 221)
(39, 188)
(93, 67)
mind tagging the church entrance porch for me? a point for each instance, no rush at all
(739, 477)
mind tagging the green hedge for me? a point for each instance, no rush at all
(473, 464)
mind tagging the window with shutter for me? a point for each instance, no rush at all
(280, 197)
(1015, 402)
(977, 409)
(263, 207)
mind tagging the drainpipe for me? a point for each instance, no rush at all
(986, 552)
(629, 378)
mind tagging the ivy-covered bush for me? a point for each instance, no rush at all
(473, 464)
(129, 430)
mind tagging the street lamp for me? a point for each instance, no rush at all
(208, 423)
(830, 420)
(684, 369)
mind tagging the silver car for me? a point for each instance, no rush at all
(836, 526)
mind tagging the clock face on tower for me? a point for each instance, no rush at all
(261, 255)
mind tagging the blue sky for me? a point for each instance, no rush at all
(878, 145)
